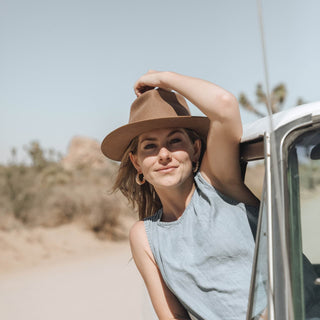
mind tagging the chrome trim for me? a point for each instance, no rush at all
(256, 254)
(304, 121)
(267, 157)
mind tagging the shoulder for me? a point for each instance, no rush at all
(137, 234)
(139, 243)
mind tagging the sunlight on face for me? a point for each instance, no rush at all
(165, 157)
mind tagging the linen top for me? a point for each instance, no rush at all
(205, 257)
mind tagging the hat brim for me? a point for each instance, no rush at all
(116, 142)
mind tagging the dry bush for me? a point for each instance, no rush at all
(17, 192)
(46, 194)
(103, 217)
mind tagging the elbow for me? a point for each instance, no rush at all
(224, 107)
(228, 99)
(227, 108)
(229, 103)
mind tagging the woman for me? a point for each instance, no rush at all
(193, 244)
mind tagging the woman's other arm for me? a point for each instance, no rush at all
(163, 300)
(220, 165)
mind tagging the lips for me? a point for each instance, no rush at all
(166, 169)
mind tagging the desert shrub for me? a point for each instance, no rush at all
(24, 186)
(43, 193)
(39, 157)
(103, 217)
(16, 188)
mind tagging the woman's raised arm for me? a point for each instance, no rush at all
(220, 165)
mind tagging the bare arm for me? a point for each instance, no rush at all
(163, 300)
(220, 165)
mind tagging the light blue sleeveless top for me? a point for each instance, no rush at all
(205, 257)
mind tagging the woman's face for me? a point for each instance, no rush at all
(165, 157)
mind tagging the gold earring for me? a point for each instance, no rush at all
(138, 180)
(196, 167)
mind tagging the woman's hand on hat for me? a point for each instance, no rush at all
(149, 81)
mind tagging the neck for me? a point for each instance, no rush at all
(175, 200)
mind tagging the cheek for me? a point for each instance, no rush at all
(147, 163)
(186, 151)
(184, 157)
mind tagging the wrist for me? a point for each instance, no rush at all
(168, 80)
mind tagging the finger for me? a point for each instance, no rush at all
(145, 89)
(140, 89)
(136, 88)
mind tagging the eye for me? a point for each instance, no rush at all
(149, 146)
(175, 140)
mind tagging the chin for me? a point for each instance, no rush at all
(171, 182)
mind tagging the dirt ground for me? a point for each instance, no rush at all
(67, 273)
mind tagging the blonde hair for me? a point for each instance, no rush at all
(142, 197)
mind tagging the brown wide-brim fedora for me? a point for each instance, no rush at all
(154, 109)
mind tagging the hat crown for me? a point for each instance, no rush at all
(154, 109)
(157, 104)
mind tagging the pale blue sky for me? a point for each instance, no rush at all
(67, 67)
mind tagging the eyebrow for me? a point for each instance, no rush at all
(169, 135)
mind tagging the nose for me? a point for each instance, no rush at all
(164, 154)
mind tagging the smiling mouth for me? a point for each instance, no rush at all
(166, 169)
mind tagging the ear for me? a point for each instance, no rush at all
(134, 161)
(197, 150)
